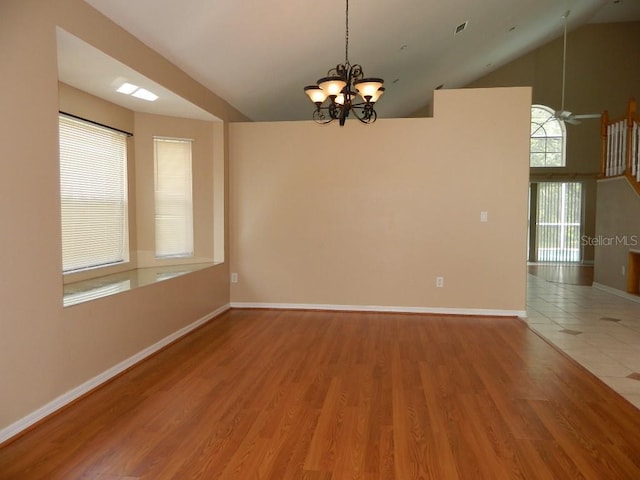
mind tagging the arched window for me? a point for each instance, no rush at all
(548, 136)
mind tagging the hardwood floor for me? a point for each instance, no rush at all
(342, 396)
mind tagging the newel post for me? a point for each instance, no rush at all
(632, 109)
(604, 123)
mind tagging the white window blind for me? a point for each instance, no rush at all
(173, 198)
(559, 222)
(93, 195)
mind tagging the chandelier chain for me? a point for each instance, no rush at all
(346, 36)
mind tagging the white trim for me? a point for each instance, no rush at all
(612, 179)
(75, 393)
(374, 308)
(615, 291)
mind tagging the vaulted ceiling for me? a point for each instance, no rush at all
(259, 54)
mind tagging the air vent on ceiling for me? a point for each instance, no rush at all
(461, 27)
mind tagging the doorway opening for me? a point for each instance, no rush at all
(555, 222)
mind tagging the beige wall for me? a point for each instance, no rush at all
(85, 105)
(370, 215)
(46, 350)
(618, 227)
(602, 74)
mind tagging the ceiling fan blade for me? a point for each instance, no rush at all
(572, 121)
(588, 115)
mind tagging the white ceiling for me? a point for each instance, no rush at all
(87, 68)
(258, 55)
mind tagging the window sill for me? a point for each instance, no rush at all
(92, 289)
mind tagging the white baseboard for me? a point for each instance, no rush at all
(68, 397)
(615, 291)
(373, 308)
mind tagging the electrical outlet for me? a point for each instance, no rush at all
(439, 282)
(624, 270)
(234, 278)
(484, 216)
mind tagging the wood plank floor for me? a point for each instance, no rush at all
(342, 396)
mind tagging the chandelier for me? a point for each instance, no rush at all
(345, 90)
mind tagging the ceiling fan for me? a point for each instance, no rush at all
(562, 114)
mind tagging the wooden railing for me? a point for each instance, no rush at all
(621, 145)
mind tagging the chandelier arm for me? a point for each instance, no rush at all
(320, 117)
(356, 72)
(367, 112)
(335, 112)
(355, 114)
(361, 104)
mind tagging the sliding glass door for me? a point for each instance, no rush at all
(558, 221)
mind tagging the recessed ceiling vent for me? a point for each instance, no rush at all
(461, 28)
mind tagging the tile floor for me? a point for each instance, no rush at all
(599, 330)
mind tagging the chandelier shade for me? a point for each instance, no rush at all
(315, 93)
(368, 87)
(332, 85)
(377, 95)
(336, 95)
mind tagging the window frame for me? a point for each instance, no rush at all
(549, 122)
(188, 217)
(99, 268)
